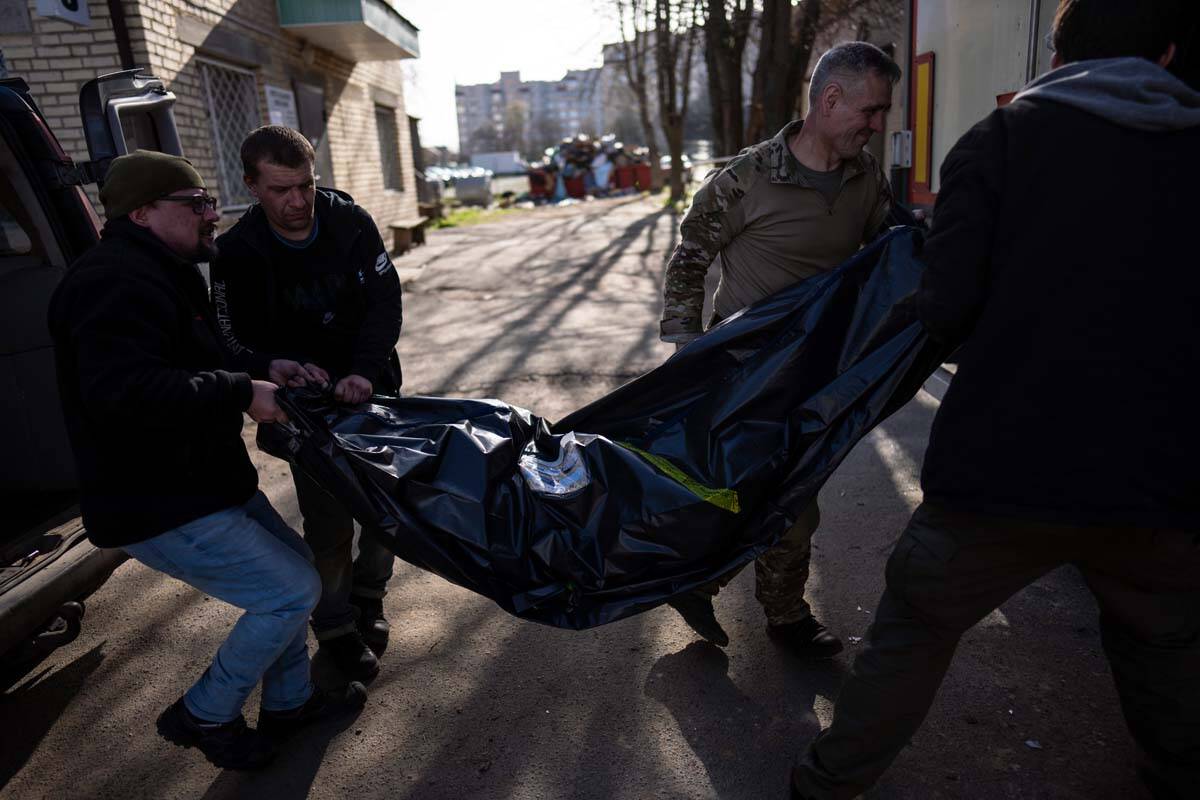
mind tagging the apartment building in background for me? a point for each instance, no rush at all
(331, 69)
(510, 112)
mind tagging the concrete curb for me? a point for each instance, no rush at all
(937, 383)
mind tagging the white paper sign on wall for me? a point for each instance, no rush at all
(281, 107)
(74, 11)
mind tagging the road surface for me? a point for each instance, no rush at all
(550, 309)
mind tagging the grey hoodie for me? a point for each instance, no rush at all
(1130, 92)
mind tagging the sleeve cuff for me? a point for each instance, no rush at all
(243, 390)
(260, 366)
(368, 371)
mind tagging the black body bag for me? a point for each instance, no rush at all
(670, 481)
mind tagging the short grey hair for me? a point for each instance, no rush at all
(850, 60)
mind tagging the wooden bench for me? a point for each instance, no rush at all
(407, 233)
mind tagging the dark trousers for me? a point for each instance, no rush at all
(951, 569)
(780, 574)
(329, 532)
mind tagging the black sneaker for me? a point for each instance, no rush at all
(696, 608)
(807, 638)
(373, 628)
(228, 745)
(353, 658)
(322, 705)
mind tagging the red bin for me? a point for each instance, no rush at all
(575, 186)
(539, 186)
(643, 176)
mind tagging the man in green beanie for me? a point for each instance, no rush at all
(137, 349)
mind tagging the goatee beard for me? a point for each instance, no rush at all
(204, 252)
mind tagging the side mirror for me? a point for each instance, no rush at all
(122, 112)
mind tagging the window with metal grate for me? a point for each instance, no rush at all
(232, 98)
(389, 147)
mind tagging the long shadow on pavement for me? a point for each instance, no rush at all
(744, 746)
(291, 774)
(506, 737)
(533, 321)
(31, 709)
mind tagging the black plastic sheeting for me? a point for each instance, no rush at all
(667, 483)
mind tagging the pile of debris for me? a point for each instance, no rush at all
(583, 167)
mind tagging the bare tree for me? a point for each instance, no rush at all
(635, 19)
(513, 136)
(788, 35)
(626, 128)
(785, 48)
(484, 139)
(544, 131)
(675, 38)
(726, 29)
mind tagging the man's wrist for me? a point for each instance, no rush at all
(679, 329)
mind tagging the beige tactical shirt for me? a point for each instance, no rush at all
(770, 227)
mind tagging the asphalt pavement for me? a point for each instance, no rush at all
(550, 309)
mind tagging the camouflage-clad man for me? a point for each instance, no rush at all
(784, 210)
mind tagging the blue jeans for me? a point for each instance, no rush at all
(248, 557)
(329, 531)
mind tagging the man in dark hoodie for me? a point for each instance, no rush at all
(305, 276)
(1068, 435)
(137, 349)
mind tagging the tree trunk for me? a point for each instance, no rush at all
(784, 52)
(674, 47)
(635, 40)
(716, 30)
(651, 140)
(725, 44)
(805, 28)
(675, 146)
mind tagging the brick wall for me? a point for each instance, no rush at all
(55, 61)
(171, 38)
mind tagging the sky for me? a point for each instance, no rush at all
(472, 41)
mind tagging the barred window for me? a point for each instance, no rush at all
(389, 147)
(232, 98)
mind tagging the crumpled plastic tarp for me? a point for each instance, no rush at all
(671, 481)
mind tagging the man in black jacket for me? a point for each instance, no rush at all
(305, 276)
(153, 406)
(1068, 435)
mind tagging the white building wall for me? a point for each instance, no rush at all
(981, 50)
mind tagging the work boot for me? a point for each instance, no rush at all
(807, 638)
(352, 657)
(696, 608)
(371, 624)
(322, 705)
(228, 745)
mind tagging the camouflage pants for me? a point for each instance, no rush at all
(781, 572)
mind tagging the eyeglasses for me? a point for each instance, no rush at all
(198, 202)
(1048, 40)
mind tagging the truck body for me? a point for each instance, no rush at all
(966, 57)
(47, 565)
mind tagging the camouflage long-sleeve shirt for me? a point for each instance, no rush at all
(770, 227)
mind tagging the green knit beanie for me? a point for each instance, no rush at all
(142, 177)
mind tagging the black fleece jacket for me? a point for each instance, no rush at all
(1063, 257)
(338, 306)
(152, 402)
